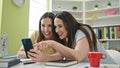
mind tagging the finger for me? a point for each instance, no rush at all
(42, 46)
(32, 53)
(32, 50)
(38, 52)
(33, 58)
(35, 45)
(46, 45)
(39, 45)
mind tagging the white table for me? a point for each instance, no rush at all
(79, 65)
(42, 65)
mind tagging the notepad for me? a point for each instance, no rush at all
(62, 63)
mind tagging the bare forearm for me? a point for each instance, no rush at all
(52, 57)
(21, 54)
(78, 53)
(67, 52)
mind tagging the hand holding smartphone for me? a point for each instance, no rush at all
(27, 44)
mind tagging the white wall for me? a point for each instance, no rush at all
(37, 8)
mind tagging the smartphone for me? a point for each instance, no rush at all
(27, 44)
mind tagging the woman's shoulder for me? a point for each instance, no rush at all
(34, 36)
(79, 32)
(79, 35)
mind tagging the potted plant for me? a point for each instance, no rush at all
(96, 6)
(109, 4)
(74, 7)
(59, 7)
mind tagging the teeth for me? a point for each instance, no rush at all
(46, 33)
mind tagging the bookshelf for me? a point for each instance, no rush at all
(68, 5)
(103, 16)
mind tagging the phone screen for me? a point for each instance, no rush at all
(27, 44)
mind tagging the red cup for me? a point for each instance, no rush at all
(94, 58)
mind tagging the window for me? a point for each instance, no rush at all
(37, 8)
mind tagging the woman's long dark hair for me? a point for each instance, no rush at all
(72, 26)
(54, 34)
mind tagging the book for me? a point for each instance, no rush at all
(61, 63)
(104, 32)
(108, 32)
(116, 32)
(112, 32)
(99, 33)
(9, 56)
(26, 61)
(8, 62)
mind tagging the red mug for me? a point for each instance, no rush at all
(94, 58)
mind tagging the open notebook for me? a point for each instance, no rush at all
(62, 63)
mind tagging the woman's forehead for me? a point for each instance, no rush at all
(46, 20)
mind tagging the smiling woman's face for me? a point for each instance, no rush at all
(46, 28)
(60, 28)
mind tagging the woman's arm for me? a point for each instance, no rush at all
(21, 53)
(78, 53)
(38, 56)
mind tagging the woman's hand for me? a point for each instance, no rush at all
(37, 55)
(43, 45)
(36, 46)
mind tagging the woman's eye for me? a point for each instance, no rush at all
(42, 25)
(59, 26)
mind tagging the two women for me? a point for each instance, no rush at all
(78, 40)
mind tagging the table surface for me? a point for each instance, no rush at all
(79, 65)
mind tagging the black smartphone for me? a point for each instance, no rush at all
(27, 44)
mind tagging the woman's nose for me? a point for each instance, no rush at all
(57, 30)
(46, 29)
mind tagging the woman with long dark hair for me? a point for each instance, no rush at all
(45, 32)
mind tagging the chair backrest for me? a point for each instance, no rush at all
(115, 55)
